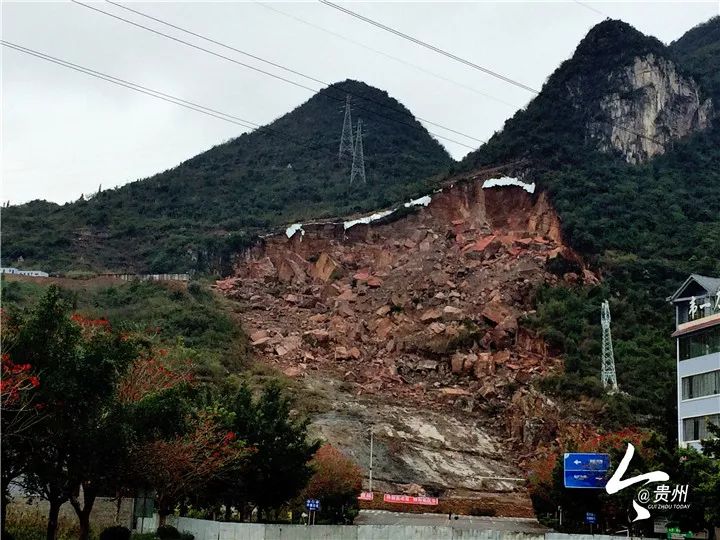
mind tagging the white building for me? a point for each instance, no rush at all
(697, 333)
(31, 273)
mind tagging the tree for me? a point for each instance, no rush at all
(684, 466)
(20, 412)
(548, 492)
(279, 468)
(177, 467)
(337, 482)
(80, 362)
(709, 477)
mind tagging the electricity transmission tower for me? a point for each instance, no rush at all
(607, 374)
(347, 148)
(358, 162)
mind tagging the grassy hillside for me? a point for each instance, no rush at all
(187, 321)
(193, 217)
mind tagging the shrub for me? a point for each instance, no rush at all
(186, 536)
(168, 532)
(116, 532)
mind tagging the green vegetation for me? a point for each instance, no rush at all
(644, 227)
(109, 409)
(699, 52)
(198, 214)
(188, 321)
(698, 470)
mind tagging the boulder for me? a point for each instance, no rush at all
(261, 342)
(448, 391)
(383, 327)
(316, 336)
(437, 328)
(426, 365)
(347, 295)
(326, 268)
(341, 353)
(484, 365)
(495, 312)
(457, 362)
(430, 315)
(258, 335)
(452, 313)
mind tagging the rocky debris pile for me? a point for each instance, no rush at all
(427, 309)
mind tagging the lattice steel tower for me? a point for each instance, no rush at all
(607, 374)
(347, 148)
(358, 163)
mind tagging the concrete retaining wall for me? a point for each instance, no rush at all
(214, 530)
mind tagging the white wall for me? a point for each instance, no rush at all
(215, 530)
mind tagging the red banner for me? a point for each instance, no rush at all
(409, 499)
(366, 496)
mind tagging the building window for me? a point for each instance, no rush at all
(700, 343)
(695, 429)
(704, 384)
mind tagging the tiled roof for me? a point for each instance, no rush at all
(710, 284)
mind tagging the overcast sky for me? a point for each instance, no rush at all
(65, 133)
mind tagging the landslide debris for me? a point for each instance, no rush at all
(424, 312)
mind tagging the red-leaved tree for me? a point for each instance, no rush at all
(337, 482)
(177, 467)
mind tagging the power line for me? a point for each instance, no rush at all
(587, 6)
(279, 66)
(429, 46)
(462, 60)
(148, 91)
(279, 77)
(381, 53)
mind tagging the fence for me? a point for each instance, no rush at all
(215, 530)
(150, 277)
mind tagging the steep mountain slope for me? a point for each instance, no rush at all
(699, 52)
(467, 306)
(411, 324)
(625, 140)
(619, 93)
(575, 142)
(192, 216)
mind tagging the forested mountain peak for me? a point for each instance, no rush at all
(622, 92)
(205, 207)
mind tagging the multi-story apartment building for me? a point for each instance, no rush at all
(697, 333)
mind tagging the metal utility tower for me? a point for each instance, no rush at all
(607, 374)
(347, 148)
(358, 163)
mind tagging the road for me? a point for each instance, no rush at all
(383, 517)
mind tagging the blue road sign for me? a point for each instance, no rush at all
(588, 471)
(587, 462)
(590, 517)
(312, 504)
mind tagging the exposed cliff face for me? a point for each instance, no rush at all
(415, 326)
(653, 105)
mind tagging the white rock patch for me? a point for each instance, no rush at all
(508, 181)
(292, 229)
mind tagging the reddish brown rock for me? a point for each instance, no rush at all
(431, 315)
(326, 268)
